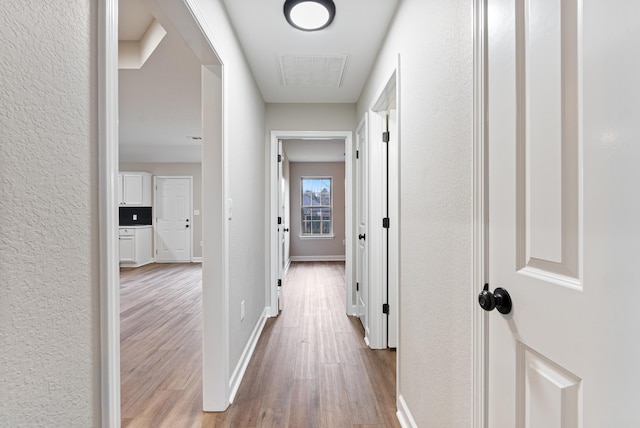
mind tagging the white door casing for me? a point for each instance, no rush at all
(383, 202)
(272, 206)
(362, 269)
(173, 220)
(562, 169)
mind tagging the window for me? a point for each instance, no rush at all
(316, 206)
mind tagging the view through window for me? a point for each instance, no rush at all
(316, 206)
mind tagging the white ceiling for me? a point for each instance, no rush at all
(160, 103)
(357, 31)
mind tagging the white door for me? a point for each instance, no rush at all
(362, 285)
(564, 147)
(282, 226)
(173, 219)
(393, 244)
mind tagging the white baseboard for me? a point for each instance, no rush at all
(241, 367)
(318, 258)
(354, 311)
(404, 414)
(196, 259)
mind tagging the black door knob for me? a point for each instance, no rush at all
(286, 229)
(362, 236)
(499, 299)
(187, 226)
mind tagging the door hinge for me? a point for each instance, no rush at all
(156, 252)
(385, 222)
(357, 154)
(279, 158)
(385, 137)
(279, 220)
(279, 283)
(385, 308)
(357, 286)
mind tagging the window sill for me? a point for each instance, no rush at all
(305, 237)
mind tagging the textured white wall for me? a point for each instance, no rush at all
(434, 40)
(49, 290)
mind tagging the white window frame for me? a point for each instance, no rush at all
(328, 235)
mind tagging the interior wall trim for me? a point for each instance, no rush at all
(404, 414)
(108, 217)
(247, 353)
(341, 258)
(480, 218)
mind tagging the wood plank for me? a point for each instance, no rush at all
(310, 367)
(334, 403)
(305, 404)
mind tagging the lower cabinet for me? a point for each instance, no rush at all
(135, 246)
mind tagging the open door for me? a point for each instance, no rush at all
(562, 172)
(362, 280)
(283, 228)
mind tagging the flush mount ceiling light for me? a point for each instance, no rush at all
(309, 15)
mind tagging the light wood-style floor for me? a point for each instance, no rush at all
(310, 368)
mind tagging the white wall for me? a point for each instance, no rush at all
(244, 130)
(434, 41)
(178, 169)
(309, 247)
(309, 117)
(49, 285)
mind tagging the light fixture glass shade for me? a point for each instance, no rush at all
(309, 15)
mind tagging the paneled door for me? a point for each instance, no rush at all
(362, 270)
(173, 219)
(283, 228)
(563, 147)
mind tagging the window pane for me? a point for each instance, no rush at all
(306, 198)
(325, 197)
(316, 206)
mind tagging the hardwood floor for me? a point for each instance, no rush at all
(310, 368)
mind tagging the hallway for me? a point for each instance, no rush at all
(310, 367)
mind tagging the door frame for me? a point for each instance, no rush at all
(384, 248)
(155, 204)
(188, 19)
(480, 216)
(272, 218)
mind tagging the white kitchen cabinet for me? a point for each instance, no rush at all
(135, 246)
(134, 189)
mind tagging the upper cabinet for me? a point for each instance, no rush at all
(134, 189)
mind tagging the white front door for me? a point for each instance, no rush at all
(362, 283)
(564, 147)
(173, 219)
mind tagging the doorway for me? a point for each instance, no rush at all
(380, 218)
(216, 394)
(275, 211)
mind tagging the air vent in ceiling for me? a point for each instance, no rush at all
(312, 71)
